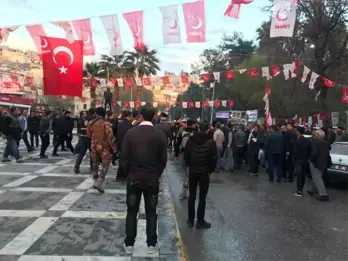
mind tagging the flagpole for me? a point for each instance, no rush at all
(131, 97)
(212, 108)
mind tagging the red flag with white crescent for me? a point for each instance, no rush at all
(62, 67)
(66, 26)
(84, 33)
(170, 24)
(194, 15)
(36, 31)
(112, 29)
(344, 97)
(135, 21)
(233, 8)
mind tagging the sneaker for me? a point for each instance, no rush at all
(190, 224)
(153, 249)
(128, 249)
(310, 193)
(99, 185)
(20, 160)
(298, 194)
(77, 170)
(289, 180)
(43, 156)
(323, 198)
(254, 174)
(203, 225)
(6, 160)
(95, 183)
(55, 155)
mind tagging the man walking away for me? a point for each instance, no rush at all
(318, 164)
(201, 157)
(100, 132)
(302, 152)
(124, 125)
(12, 133)
(274, 146)
(164, 126)
(240, 141)
(34, 127)
(230, 147)
(64, 126)
(2, 117)
(144, 157)
(253, 153)
(290, 154)
(45, 129)
(219, 138)
(24, 126)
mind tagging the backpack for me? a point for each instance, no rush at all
(185, 138)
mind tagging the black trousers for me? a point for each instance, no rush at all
(289, 167)
(239, 157)
(26, 141)
(107, 103)
(32, 135)
(61, 139)
(254, 162)
(301, 170)
(203, 181)
(45, 142)
(150, 190)
(56, 139)
(84, 145)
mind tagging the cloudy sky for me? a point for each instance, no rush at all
(173, 57)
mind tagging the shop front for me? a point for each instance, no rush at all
(7, 101)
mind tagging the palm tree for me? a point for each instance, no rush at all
(145, 63)
(92, 70)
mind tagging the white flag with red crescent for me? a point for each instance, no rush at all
(284, 17)
(112, 29)
(66, 26)
(170, 24)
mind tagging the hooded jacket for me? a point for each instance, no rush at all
(200, 154)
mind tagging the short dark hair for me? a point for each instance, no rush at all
(300, 130)
(12, 109)
(91, 111)
(148, 113)
(218, 125)
(48, 112)
(190, 123)
(204, 126)
(109, 113)
(100, 111)
(274, 127)
(254, 133)
(126, 113)
(81, 112)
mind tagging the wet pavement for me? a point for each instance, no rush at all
(255, 220)
(49, 213)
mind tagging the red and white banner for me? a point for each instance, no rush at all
(62, 67)
(66, 26)
(135, 21)
(5, 32)
(112, 29)
(233, 8)
(194, 15)
(284, 17)
(9, 84)
(36, 31)
(170, 24)
(84, 33)
(344, 97)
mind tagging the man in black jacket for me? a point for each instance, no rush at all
(144, 157)
(45, 129)
(124, 125)
(2, 117)
(200, 157)
(164, 126)
(302, 152)
(289, 156)
(34, 127)
(64, 127)
(12, 133)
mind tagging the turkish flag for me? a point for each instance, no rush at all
(84, 32)
(29, 80)
(328, 83)
(230, 103)
(205, 77)
(275, 70)
(62, 67)
(129, 82)
(205, 104)
(253, 72)
(217, 104)
(185, 79)
(344, 97)
(126, 104)
(230, 75)
(137, 104)
(165, 79)
(112, 81)
(146, 81)
(194, 15)
(233, 8)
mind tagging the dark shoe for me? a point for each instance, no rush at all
(289, 180)
(323, 198)
(270, 180)
(43, 156)
(310, 192)
(203, 225)
(77, 170)
(64, 149)
(6, 160)
(279, 181)
(55, 155)
(189, 224)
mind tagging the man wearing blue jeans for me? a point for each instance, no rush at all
(12, 133)
(219, 138)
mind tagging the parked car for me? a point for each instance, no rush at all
(339, 158)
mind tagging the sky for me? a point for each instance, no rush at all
(173, 57)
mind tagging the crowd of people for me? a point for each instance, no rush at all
(141, 142)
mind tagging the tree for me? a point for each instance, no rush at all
(92, 70)
(58, 104)
(145, 62)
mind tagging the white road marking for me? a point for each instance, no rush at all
(40, 189)
(21, 213)
(109, 191)
(94, 214)
(75, 258)
(20, 181)
(66, 202)
(46, 169)
(86, 184)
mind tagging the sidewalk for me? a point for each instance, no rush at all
(49, 213)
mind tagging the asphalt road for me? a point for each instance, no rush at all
(255, 220)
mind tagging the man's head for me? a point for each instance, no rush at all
(127, 115)
(290, 127)
(204, 126)
(82, 114)
(340, 129)
(24, 112)
(218, 125)
(110, 115)
(100, 112)
(48, 113)
(300, 131)
(254, 134)
(273, 128)
(91, 111)
(318, 134)
(14, 110)
(147, 113)
(184, 123)
(229, 125)
(283, 128)
(67, 114)
(164, 117)
(190, 123)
